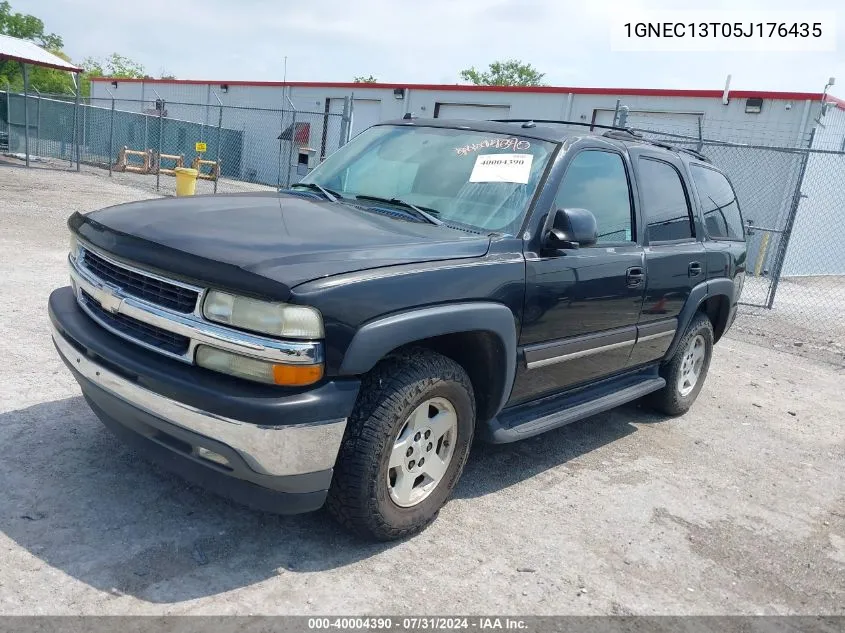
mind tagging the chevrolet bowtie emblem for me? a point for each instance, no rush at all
(110, 302)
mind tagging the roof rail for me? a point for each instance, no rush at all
(561, 122)
(623, 135)
(695, 153)
(614, 132)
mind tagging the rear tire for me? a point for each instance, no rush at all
(414, 404)
(686, 371)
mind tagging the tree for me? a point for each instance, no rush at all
(49, 80)
(29, 27)
(368, 79)
(115, 66)
(510, 72)
(120, 66)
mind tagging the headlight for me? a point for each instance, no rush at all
(258, 370)
(74, 246)
(276, 319)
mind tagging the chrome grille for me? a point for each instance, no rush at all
(137, 284)
(136, 330)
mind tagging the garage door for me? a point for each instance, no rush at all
(365, 113)
(685, 123)
(471, 111)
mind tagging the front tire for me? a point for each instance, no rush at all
(686, 371)
(405, 445)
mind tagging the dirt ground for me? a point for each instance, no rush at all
(737, 507)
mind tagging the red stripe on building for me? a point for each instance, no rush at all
(644, 92)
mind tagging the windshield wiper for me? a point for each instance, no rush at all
(425, 213)
(328, 193)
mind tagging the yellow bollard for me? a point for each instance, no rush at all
(186, 181)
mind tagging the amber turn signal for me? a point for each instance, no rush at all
(297, 375)
(257, 370)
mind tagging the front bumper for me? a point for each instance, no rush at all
(267, 447)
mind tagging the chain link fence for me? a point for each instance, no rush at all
(234, 148)
(791, 188)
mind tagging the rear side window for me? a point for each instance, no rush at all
(722, 218)
(665, 204)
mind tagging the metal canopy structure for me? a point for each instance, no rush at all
(27, 53)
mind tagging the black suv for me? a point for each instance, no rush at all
(343, 341)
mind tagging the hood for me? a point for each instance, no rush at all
(284, 238)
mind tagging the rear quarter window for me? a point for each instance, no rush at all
(722, 217)
(665, 204)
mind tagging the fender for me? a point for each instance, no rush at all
(379, 337)
(699, 293)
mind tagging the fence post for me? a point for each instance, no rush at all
(790, 222)
(160, 133)
(111, 137)
(9, 115)
(25, 72)
(345, 120)
(219, 141)
(623, 116)
(290, 148)
(700, 145)
(38, 123)
(616, 112)
(76, 122)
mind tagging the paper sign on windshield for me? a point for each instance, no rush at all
(502, 168)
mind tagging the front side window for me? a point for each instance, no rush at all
(665, 205)
(722, 218)
(596, 181)
(479, 179)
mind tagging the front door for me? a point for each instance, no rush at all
(582, 305)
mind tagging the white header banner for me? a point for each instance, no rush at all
(675, 30)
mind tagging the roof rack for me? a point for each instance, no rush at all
(695, 153)
(614, 132)
(532, 122)
(623, 135)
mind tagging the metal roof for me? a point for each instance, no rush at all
(30, 53)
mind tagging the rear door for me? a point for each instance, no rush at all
(675, 260)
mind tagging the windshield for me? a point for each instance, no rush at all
(479, 179)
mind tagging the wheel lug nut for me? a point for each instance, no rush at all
(411, 464)
(409, 452)
(428, 448)
(417, 437)
(427, 434)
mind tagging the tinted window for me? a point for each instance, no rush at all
(665, 204)
(596, 181)
(718, 200)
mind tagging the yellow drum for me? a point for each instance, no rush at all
(186, 181)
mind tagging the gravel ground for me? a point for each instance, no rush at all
(737, 507)
(806, 319)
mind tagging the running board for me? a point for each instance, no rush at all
(498, 433)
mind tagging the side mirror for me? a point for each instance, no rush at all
(572, 228)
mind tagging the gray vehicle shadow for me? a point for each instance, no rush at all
(78, 500)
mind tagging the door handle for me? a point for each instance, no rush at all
(635, 276)
(694, 269)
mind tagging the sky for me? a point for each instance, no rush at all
(399, 41)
